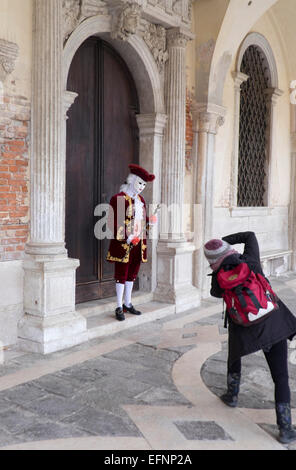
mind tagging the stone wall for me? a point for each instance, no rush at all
(14, 176)
(16, 18)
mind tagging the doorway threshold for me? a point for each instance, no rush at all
(100, 314)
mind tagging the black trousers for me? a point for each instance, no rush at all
(277, 360)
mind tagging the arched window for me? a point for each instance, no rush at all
(256, 93)
(253, 130)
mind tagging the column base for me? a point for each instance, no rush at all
(174, 274)
(50, 334)
(50, 322)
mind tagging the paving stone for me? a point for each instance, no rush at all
(81, 376)
(4, 404)
(47, 430)
(122, 387)
(146, 356)
(54, 406)
(103, 423)
(16, 420)
(8, 439)
(99, 399)
(103, 366)
(202, 430)
(154, 377)
(6, 369)
(22, 394)
(58, 385)
(162, 397)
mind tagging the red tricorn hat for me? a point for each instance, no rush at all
(139, 171)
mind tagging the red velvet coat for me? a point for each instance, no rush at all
(121, 223)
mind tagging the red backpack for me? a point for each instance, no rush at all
(248, 296)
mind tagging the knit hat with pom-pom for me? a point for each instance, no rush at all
(216, 251)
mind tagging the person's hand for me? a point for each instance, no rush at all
(135, 241)
(153, 219)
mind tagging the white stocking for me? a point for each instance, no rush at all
(128, 293)
(119, 293)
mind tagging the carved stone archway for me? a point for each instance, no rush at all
(134, 52)
(151, 120)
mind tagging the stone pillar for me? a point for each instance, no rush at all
(239, 78)
(47, 116)
(206, 118)
(292, 208)
(50, 322)
(174, 270)
(272, 95)
(151, 129)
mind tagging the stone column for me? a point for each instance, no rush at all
(47, 116)
(292, 208)
(239, 78)
(174, 270)
(272, 95)
(50, 322)
(151, 128)
(207, 118)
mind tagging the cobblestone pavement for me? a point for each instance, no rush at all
(153, 387)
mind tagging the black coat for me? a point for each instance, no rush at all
(281, 324)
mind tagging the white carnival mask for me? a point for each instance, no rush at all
(139, 185)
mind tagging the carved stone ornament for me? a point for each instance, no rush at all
(177, 38)
(178, 7)
(8, 55)
(72, 13)
(155, 38)
(127, 22)
(181, 8)
(75, 11)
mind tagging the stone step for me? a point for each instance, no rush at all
(97, 307)
(105, 323)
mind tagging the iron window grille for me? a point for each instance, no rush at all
(253, 131)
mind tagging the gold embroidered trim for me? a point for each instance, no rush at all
(125, 259)
(120, 234)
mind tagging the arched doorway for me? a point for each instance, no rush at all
(102, 139)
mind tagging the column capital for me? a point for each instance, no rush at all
(178, 37)
(239, 78)
(272, 94)
(69, 98)
(208, 117)
(151, 124)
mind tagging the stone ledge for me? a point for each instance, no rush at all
(106, 324)
(273, 254)
(275, 262)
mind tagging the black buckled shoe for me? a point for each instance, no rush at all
(119, 314)
(131, 309)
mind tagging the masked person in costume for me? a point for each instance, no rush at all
(128, 248)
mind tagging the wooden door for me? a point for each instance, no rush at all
(102, 139)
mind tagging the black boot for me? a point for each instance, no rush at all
(231, 396)
(119, 314)
(131, 309)
(284, 422)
